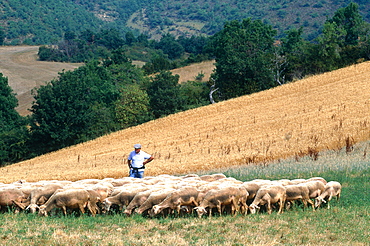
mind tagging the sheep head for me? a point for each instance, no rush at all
(253, 208)
(318, 201)
(42, 211)
(200, 211)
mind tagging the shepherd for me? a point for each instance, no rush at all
(137, 160)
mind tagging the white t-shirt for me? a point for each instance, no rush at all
(138, 159)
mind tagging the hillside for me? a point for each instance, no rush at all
(40, 22)
(25, 72)
(322, 112)
(207, 17)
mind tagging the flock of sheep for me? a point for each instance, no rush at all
(166, 194)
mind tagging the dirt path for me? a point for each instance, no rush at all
(24, 72)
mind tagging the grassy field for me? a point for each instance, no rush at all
(346, 223)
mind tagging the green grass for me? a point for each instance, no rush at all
(346, 223)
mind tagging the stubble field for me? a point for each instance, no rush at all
(322, 112)
(25, 72)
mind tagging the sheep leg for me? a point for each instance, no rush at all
(269, 209)
(281, 204)
(82, 208)
(328, 201)
(219, 209)
(91, 209)
(304, 203)
(338, 196)
(312, 204)
(234, 207)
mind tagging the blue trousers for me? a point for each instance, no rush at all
(136, 174)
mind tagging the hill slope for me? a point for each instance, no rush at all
(40, 22)
(208, 17)
(326, 111)
(24, 72)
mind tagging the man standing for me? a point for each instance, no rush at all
(137, 160)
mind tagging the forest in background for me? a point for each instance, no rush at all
(38, 22)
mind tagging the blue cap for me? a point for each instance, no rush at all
(137, 146)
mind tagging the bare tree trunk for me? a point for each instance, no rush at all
(212, 91)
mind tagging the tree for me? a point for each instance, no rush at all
(132, 108)
(13, 131)
(170, 46)
(2, 36)
(157, 63)
(244, 55)
(194, 94)
(9, 117)
(142, 39)
(88, 36)
(111, 39)
(339, 43)
(350, 21)
(331, 43)
(130, 38)
(14, 145)
(117, 57)
(69, 36)
(194, 44)
(164, 94)
(73, 108)
(298, 54)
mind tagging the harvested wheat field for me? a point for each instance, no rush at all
(322, 112)
(24, 71)
(189, 73)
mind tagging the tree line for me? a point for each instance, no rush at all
(109, 93)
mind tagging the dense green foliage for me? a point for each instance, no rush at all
(75, 107)
(164, 94)
(165, 54)
(40, 22)
(8, 115)
(13, 132)
(133, 106)
(243, 57)
(86, 46)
